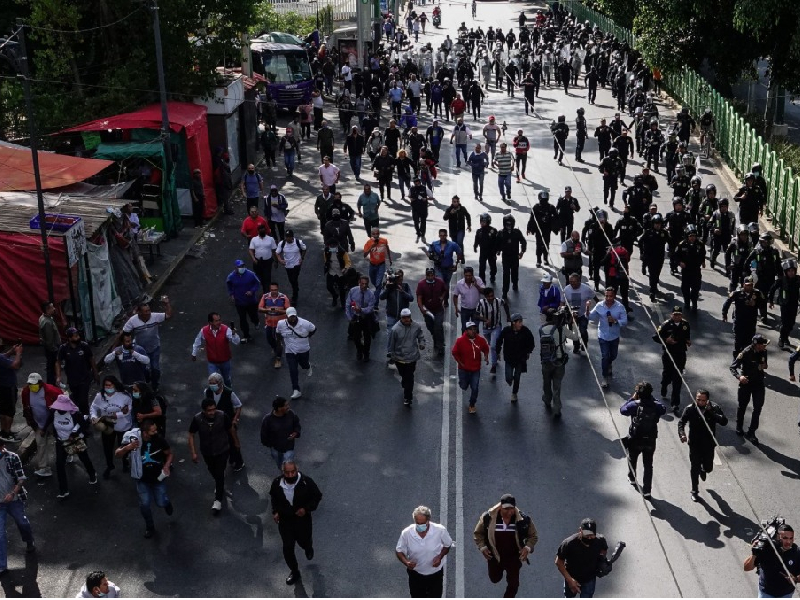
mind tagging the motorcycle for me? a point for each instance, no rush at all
(437, 20)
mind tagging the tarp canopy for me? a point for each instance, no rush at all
(125, 150)
(56, 170)
(182, 115)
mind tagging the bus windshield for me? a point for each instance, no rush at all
(286, 66)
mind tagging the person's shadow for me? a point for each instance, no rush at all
(686, 525)
(791, 465)
(736, 524)
(25, 579)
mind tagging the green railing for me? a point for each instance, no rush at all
(738, 143)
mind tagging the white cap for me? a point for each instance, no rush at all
(406, 312)
(547, 278)
(291, 311)
(34, 378)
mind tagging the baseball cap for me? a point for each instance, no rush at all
(289, 233)
(71, 331)
(508, 501)
(471, 324)
(34, 378)
(516, 317)
(588, 527)
(567, 188)
(547, 278)
(238, 263)
(406, 312)
(291, 311)
(430, 270)
(273, 187)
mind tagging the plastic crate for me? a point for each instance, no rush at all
(55, 222)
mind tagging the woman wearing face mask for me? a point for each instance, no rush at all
(69, 426)
(145, 405)
(228, 402)
(111, 415)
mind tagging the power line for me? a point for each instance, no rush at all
(87, 30)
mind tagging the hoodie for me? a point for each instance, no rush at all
(113, 591)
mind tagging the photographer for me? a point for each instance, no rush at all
(773, 579)
(645, 412)
(552, 337)
(398, 296)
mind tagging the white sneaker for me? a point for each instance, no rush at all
(296, 394)
(46, 472)
(603, 383)
(310, 370)
(216, 507)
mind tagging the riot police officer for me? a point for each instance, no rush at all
(723, 224)
(627, 229)
(542, 221)
(638, 198)
(751, 202)
(675, 335)
(653, 141)
(748, 368)
(651, 245)
(692, 258)
(596, 235)
(747, 301)
(566, 207)
(736, 256)
(560, 131)
(680, 183)
(670, 153)
(604, 137)
(787, 287)
(611, 167)
(706, 211)
(486, 242)
(765, 262)
(694, 196)
(581, 133)
(511, 245)
(675, 223)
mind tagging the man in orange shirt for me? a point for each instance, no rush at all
(273, 306)
(377, 248)
(251, 224)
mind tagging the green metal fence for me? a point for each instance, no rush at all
(737, 141)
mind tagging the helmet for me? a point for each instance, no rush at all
(638, 180)
(756, 167)
(765, 237)
(580, 111)
(685, 110)
(601, 214)
(789, 263)
(677, 200)
(509, 221)
(752, 227)
(657, 218)
(654, 121)
(680, 170)
(711, 188)
(760, 339)
(544, 195)
(724, 202)
(561, 118)
(695, 181)
(613, 152)
(690, 230)
(750, 176)
(567, 188)
(486, 218)
(742, 229)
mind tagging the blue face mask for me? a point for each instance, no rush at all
(421, 528)
(136, 395)
(241, 270)
(110, 391)
(213, 387)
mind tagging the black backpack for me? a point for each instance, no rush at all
(644, 424)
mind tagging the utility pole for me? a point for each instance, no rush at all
(24, 69)
(162, 88)
(361, 7)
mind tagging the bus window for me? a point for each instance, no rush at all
(286, 67)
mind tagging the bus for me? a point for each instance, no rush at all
(287, 69)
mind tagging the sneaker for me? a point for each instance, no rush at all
(30, 548)
(296, 394)
(169, 508)
(472, 410)
(71, 458)
(93, 479)
(310, 370)
(695, 495)
(277, 364)
(244, 340)
(46, 472)
(513, 397)
(63, 495)
(406, 402)
(604, 383)
(8, 437)
(148, 533)
(238, 467)
(751, 437)
(293, 578)
(216, 507)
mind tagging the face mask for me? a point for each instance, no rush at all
(110, 391)
(34, 387)
(262, 234)
(290, 479)
(421, 528)
(241, 270)
(213, 387)
(250, 171)
(102, 595)
(136, 395)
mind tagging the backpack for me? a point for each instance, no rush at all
(549, 346)
(644, 424)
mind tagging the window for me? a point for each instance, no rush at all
(286, 66)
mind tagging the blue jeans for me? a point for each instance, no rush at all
(155, 367)
(288, 160)
(513, 375)
(466, 316)
(608, 350)
(459, 239)
(504, 185)
(293, 360)
(444, 273)
(376, 273)
(763, 594)
(223, 369)
(461, 148)
(281, 457)
(149, 493)
(17, 511)
(390, 322)
(491, 336)
(492, 148)
(403, 183)
(355, 164)
(587, 589)
(470, 379)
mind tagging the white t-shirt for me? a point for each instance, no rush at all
(295, 337)
(347, 74)
(329, 174)
(146, 334)
(292, 252)
(263, 247)
(423, 550)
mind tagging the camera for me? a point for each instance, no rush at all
(563, 316)
(769, 531)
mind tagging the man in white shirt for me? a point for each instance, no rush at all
(468, 290)
(296, 334)
(261, 251)
(145, 325)
(329, 174)
(290, 254)
(347, 77)
(422, 548)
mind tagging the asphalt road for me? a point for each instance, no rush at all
(376, 460)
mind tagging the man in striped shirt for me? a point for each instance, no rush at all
(505, 164)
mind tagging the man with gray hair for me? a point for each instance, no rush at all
(405, 341)
(422, 548)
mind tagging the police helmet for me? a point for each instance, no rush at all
(765, 237)
(657, 218)
(756, 167)
(690, 230)
(789, 263)
(562, 118)
(654, 121)
(711, 188)
(544, 195)
(509, 221)
(581, 111)
(760, 339)
(680, 170)
(486, 218)
(613, 152)
(696, 180)
(752, 227)
(602, 215)
(677, 200)
(685, 110)
(724, 202)
(742, 229)
(749, 176)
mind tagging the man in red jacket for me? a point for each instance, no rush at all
(467, 352)
(37, 397)
(217, 339)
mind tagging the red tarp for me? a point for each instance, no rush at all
(182, 116)
(24, 286)
(56, 170)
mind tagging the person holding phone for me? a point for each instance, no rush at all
(610, 317)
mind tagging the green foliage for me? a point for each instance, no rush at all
(268, 19)
(790, 153)
(621, 11)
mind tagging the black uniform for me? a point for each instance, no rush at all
(750, 202)
(652, 246)
(673, 356)
(603, 135)
(766, 263)
(746, 306)
(653, 141)
(560, 133)
(510, 242)
(788, 291)
(701, 437)
(638, 198)
(486, 242)
(581, 133)
(736, 261)
(751, 363)
(596, 237)
(627, 229)
(611, 169)
(541, 223)
(722, 226)
(705, 220)
(680, 184)
(675, 223)
(692, 258)
(624, 144)
(566, 209)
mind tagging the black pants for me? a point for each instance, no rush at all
(652, 157)
(542, 244)
(719, 244)
(248, 311)
(592, 93)
(646, 449)
(756, 392)
(609, 188)
(581, 140)
(690, 286)
(558, 149)
(385, 183)
(420, 222)
(334, 285)
(234, 454)
(788, 318)
(491, 258)
(197, 213)
(742, 336)
(317, 119)
(624, 159)
(594, 267)
(476, 110)
(603, 151)
(511, 567)
(61, 466)
(529, 101)
(50, 365)
(510, 273)
(701, 459)
(671, 376)
(251, 202)
(295, 530)
(112, 441)
(522, 161)
(406, 372)
(362, 336)
(425, 586)
(263, 270)
(216, 464)
(763, 286)
(79, 394)
(622, 285)
(278, 229)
